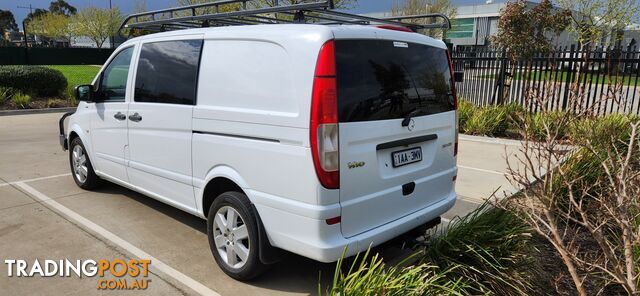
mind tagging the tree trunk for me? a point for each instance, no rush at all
(576, 89)
(508, 80)
(568, 261)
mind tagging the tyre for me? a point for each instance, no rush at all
(81, 168)
(233, 236)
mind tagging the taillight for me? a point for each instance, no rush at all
(455, 100)
(324, 119)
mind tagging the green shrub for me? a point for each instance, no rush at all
(371, 277)
(538, 122)
(487, 252)
(56, 103)
(490, 248)
(584, 166)
(486, 121)
(498, 121)
(465, 111)
(21, 100)
(5, 94)
(36, 80)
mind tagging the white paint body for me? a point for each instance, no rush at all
(252, 119)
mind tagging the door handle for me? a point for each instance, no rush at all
(120, 116)
(135, 117)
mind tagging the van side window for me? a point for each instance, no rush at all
(168, 72)
(113, 85)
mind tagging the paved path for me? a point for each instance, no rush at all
(44, 215)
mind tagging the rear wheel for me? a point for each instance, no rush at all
(81, 168)
(233, 236)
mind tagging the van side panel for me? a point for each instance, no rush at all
(252, 113)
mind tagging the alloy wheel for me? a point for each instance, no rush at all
(79, 159)
(231, 237)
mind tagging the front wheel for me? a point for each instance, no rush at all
(81, 168)
(233, 236)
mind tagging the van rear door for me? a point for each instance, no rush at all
(397, 130)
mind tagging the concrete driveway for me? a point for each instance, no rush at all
(44, 215)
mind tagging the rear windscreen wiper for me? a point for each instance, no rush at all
(407, 117)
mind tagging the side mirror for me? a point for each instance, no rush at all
(84, 92)
(458, 76)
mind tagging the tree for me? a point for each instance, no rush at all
(593, 20)
(524, 32)
(51, 25)
(208, 10)
(97, 24)
(413, 7)
(140, 6)
(342, 4)
(62, 7)
(7, 21)
(36, 12)
(582, 198)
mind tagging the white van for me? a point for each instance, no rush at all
(301, 137)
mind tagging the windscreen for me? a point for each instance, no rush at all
(386, 79)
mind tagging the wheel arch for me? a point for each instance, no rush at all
(214, 188)
(222, 179)
(76, 131)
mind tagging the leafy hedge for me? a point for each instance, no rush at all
(488, 252)
(35, 80)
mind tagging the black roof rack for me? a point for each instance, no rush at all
(252, 12)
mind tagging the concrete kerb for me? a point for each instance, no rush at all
(36, 111)
(490, 140)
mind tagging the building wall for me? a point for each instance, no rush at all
(474, 24)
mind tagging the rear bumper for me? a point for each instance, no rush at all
(314, 239)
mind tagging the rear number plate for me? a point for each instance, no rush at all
(404, 157)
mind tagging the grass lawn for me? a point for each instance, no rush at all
(562, 77)
(77, 74)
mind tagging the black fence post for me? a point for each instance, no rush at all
(570, 71)
(501, 78)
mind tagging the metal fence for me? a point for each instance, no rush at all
(608, 79)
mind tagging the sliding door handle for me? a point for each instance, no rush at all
(135, 117)
(120, 116)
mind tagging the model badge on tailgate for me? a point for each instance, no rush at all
(355, 164)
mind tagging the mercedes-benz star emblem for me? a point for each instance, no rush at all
(412, 125)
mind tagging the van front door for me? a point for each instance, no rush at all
(160, 119)
(108, 119)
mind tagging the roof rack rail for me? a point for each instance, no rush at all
(252, 12)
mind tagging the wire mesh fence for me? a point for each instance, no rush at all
(606, 79)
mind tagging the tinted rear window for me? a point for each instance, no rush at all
(383, 79)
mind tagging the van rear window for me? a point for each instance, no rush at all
(386, 79)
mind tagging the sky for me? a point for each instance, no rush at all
(126, 6)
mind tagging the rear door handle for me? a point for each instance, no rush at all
(135, 117)
(120, 116)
